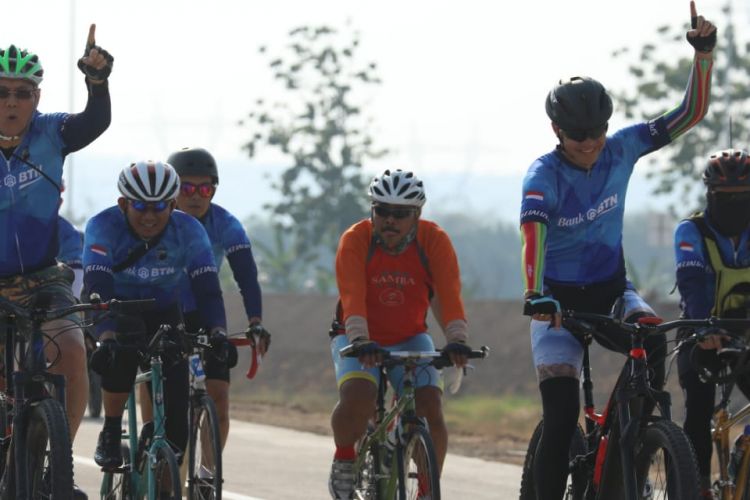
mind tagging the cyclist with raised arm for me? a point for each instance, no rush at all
(390, 269)
(571, 230)
(199, 179)
(34, 146)
(142, 248)
(712, 253)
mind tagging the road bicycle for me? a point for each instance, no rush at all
(734, 461)
(625, 452)
(204, 473)
(398, 433)
(36, 459)
(150, 467)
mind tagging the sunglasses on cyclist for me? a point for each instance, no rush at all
(20, 94)
(205, 190)
(396, 213)
(142, 206)
(581, 135)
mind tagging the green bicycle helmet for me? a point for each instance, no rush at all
(20, 64)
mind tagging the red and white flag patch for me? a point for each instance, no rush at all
(534, 195)
(98, 249)
(686, 247)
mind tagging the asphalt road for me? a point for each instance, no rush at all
(270, 463)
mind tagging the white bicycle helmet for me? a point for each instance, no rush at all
(398, 187)
(149, 181)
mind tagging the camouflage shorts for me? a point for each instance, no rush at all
(48, 288)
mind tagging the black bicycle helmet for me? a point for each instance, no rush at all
(727, 168)
(194, 161)
(578, 103)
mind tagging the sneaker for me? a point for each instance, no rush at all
(78, 493)
(341, 481)
(108, 452)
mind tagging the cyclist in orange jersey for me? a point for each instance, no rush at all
(390, 268)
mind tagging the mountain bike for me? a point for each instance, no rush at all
(36, 457)
(625, 452)
(734, 462)
(399, 433)
(149, 470)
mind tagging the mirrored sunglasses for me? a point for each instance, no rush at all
(20, 94)
(155, 206)
(583, 134)
(205, 190)
(396, 213)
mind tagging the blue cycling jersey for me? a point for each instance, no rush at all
(29, 201)
(228, 238)
(583, 209)
(696, 279)
(71, 243)
(183, 251)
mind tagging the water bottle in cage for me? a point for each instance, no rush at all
(196, 367)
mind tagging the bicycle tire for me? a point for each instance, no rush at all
(664, 456)
(577, 483)
(166, 468)
(116, 485)
(418, 472)
(48, 450)
(204, 451)
(95, 394)
(367, 485)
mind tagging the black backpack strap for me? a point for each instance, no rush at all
(136, 253)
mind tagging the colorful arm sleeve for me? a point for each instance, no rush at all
(533, 241)
(695, 104)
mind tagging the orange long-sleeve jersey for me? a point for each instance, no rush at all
(392, 293)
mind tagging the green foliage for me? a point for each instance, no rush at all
(320, 128)
(660, 85)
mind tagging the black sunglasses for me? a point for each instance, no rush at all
(581, 135)
(396, 213)
(21, 94)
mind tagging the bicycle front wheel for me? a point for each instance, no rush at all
(368, 477)
(167, 474)
(116, 485)
(49, 454)
(204, 463)
(418, 473)
(665, 463)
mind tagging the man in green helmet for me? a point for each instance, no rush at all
(34, 146)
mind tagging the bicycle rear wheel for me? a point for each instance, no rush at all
(576, 488)
(49, 454)
(367, 483)
(665, 463)
(204, 462)
(418, 473)
(116, 485)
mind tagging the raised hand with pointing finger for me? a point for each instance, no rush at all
(702, 35)
(96, 62)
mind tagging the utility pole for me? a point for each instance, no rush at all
(69, 186)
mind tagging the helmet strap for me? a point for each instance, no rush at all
(16, 139)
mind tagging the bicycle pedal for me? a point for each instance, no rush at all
(117, 470)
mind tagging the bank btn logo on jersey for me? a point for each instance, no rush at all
(534, 195)
(686, 247)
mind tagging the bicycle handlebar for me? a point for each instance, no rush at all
(43, 315)
(439, 359)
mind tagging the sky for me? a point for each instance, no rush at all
(461, 102)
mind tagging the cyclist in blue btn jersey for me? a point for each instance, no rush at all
(33, 146)
(571, 228)
(713, 273)
(199, 177)
(142, 248)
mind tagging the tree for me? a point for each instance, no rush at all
(661, 82)
(320, 128)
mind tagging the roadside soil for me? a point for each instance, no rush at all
(502, 448)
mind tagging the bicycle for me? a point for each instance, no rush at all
(36, 457)
(398, 432)
(95, 381)
(625, 452)
(204, 442)
(146, 471)
(731, 485)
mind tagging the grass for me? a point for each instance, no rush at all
(499, 416)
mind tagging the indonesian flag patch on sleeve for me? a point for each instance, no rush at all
(99, 250)
(686, 247)
(534, 195)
